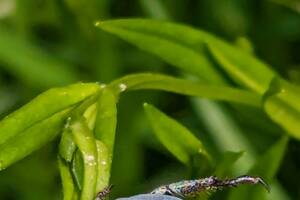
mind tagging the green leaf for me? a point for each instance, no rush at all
(185, 48)
(169, 41)
(67, 180)
(86, 143)
(266, 167)
(175, 137)
(31, 64)
(105, 130)
(32, 139)
(185, 87)
(43, 106)
(242, 67)
(282, 104)
(104, 165)
(67, 145)
(225, 132)
(77, 169)
(225, 164)
(106, 120)
(155, 9)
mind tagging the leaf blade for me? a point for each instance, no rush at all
(167, 83)
(31, 139)
(184, 145)
(54, 100)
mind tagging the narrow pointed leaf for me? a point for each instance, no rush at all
(242, 67)
(186, 48)
(175, 137)
(186, 87)
(158, 38)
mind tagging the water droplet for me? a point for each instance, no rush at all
(90, 160)
(122, 87)
(102, 85)
(68, 121)
(97, 23)
(103, 162)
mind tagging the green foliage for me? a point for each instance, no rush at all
(266, 166)
(246, 107)
(241, 67)
(41, 69)
(184, 145)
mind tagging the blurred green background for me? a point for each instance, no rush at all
(47, 43)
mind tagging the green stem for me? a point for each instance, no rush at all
(185, 87)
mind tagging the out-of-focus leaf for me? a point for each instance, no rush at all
(265, 167)
(185, 47)
(225, 132)
(175, 137)
(86, 143)
(224, 165)
(155, 9)
(43, 106)
(241, 66)
(31, 139)
(185, 87)
(291, 4)
(105, 130)
(282, 104)
(86, 13)
(31, 64)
